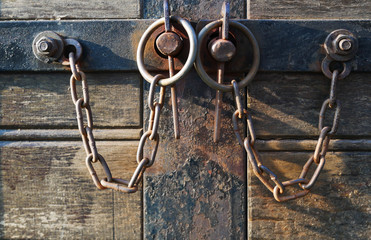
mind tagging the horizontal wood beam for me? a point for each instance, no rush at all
(134, 134)
(309, 145)
(69, 9)
(110, 45)
(64, 134)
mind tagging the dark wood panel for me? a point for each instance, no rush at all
(44, 101)
(312, 9)
(47, 192)
(194, 9)
(196, 188)
(286, 105)
(336, 208)
(67, 9)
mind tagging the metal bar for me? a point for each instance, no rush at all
(174, 100)
(110, 45)
(167, 16)
(218, 103)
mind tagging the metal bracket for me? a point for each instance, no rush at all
(110, 45)
(341, 46)
(50, 47)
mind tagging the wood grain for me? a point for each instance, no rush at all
(288, 104)
(44, 101)
(310, 145)
(47, 192)
(309, 9)
(67, 9)
(194, 9)
(336, 208)
(68, 134)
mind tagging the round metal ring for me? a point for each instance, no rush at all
(347, 68)
(190, 60)
(254, 68)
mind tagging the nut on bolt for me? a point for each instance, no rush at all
(342, 44)
(46, 46)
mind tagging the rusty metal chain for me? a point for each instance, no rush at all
(86, 131)
(264, 174)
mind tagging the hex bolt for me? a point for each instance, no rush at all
(46, 46)
(345, 44)
(222, 50)
(169, 44)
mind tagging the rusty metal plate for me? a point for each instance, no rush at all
(291, 45)
(286, 45)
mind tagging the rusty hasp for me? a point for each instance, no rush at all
(169, 43)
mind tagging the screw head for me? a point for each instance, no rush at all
(222, 50)
(169, 44)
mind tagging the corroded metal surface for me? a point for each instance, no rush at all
(196, 189)
(199, 200)
(111, 45)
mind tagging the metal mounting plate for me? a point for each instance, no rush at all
(286, 45)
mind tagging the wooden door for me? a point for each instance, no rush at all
(196, 189)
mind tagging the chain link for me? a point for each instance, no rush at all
(264, 174)
(86, 131)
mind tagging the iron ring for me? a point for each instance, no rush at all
(188, 64)
(347, 68)
(254, 69)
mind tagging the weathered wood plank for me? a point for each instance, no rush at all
(312, 9)
(47, 192)
(338, 207)
(67, 134)
(196, 188)
(195, 9)
(67, 9)
(286, 105)
(310, 145)
(44, 101)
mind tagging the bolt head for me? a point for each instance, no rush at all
(169, 44)
(222, 50)
(345, 44)
(46, 46)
